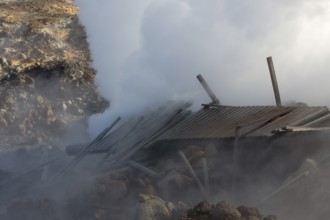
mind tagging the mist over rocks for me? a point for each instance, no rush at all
(46, 80)
(48, 92)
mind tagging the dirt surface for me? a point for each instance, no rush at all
(46, 80)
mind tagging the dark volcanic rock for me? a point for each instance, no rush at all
(226, 211)
(33, 209)
(223, 211)
(249, 212)
(270, 217)
(152, 208)
(202, 208)
(250, 218)
(46, 82)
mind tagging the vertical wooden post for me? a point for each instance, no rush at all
(206, 176)
(235, 153)
(274, 81)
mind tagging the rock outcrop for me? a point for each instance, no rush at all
(46, 79)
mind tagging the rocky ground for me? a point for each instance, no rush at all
(169, 192)
(47, 92)
(128, 193)
(46, 80)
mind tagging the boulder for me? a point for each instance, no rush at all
(191, 150)
(152, 208)
(249, 218)
(117, 189)
(270, 217)
(210, 150)
(226, 211)
(203, 208)
(249, 212)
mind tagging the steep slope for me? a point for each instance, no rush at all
(46, 80)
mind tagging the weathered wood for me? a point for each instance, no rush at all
(84, 152)
(274, 81)
(279, 190)
(214, 99)
(194, 175)
(143, 168)
(15, 177)
(148, 131)
(206, 176)
(236, 142)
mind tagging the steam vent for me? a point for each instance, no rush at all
(171, 163)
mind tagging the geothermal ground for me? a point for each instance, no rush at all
(47, 93)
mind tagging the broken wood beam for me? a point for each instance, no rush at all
(214, 99)
(194, 175)
(236, 142)
(279, 190)
(74, 149)
(206, 176)
(74, 162)
(15, 177)
(143, 168)
(274, 81)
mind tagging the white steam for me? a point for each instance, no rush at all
(148, 51)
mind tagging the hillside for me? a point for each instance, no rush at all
(46, 79)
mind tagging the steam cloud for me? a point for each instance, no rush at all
(148, 51)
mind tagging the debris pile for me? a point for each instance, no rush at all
(167, 183)
(31, 209)
(224, 210)
(151, 167)
(168, 191)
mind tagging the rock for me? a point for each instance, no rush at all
(102, 188)
(249, 212)
(270, 217)
(180, 182)
(44, 49)
(149, 190)
(137, 182)
(226, 211)
(180, 209)
(117, 189)
(21, 128)
(174, 183)
(222, 211)
(249, 218)
(3, 122)
(100, 214)
(191, 150)
(152, 208)
(202, 208)
(210, 150)
(196, 155)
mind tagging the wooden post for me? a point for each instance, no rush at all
(143, 168)
(235, 152)
(215, 100)
(297, 178)
(274, 81)
(206, 176)
(194, 175)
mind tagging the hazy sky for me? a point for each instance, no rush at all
(147, 51)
